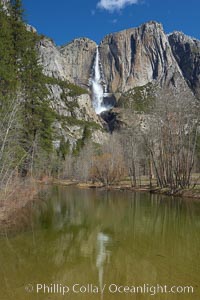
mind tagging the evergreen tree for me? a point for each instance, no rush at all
(37, 117)
(81, 142)
(7, 71)
(25, 75)
(64, 148)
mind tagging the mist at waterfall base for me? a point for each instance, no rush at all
(97, 87)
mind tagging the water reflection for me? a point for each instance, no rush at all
(102, 256)
(99, 237)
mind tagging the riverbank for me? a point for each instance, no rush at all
(126, 186)
(90, 185)
(14, 199)
(185, 193)
(21, 195)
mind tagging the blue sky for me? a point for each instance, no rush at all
(64, 20)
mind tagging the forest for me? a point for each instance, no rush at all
(160, 150)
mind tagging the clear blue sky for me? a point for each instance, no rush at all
(64, 20)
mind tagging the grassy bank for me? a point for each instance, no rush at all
(14, 198)
(20, 194)
(186, 193)
(193, 192)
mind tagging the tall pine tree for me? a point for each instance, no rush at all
(7, 61)
(25, 114)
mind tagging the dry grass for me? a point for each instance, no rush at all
(14, 197)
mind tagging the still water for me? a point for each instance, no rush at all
(87, 240)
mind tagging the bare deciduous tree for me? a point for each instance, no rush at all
(171, 139)
(109, 166)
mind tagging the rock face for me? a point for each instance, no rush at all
(78, 56)
(72, 62)
(133, 63)
(51, 59)
(130, 58)
(186, 50)
(31, 28)
(74, 113)
(5, 3)
(137, 56)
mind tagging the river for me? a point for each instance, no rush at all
(79, 242)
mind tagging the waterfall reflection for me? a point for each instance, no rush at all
(102, 256)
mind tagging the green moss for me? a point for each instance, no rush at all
(71, 121)
(139, 99)
(69, 88)
(71, 105)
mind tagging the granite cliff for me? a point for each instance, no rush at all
(129, 58)
(71, 62)
(186, 51)
(78, 56)
(133, 62)
(68, 68)
(137, 56)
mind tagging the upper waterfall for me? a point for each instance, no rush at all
(97, 86)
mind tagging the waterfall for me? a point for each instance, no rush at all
(97, 87)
